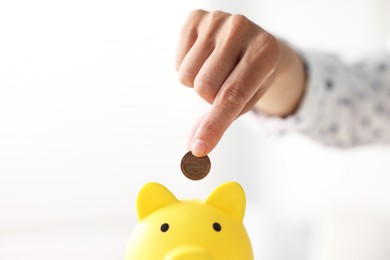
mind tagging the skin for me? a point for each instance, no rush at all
(236, 66)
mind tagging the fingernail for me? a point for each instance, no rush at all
(199, 148)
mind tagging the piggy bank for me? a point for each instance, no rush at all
(172, 229)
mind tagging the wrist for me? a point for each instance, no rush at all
(287, 87)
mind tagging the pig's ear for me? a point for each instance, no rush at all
(152, 197)
(230, 198)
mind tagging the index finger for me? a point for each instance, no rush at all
(240, 86)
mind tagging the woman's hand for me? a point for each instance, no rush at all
(231, 63)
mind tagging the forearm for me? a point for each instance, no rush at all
(286, 89)
(343, 105)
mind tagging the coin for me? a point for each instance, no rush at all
(195, 168)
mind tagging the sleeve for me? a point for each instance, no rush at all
(344, 105)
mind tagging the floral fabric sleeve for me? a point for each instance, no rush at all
(344, 105)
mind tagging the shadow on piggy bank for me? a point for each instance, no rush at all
(172, 229)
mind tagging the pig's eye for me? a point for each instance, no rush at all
(217, 227)
(164, 227)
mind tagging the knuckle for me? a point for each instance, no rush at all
(217, 15)
(205, 88)
(212, 24)
(239, 26)
(210, 127)
(207, 43)
(232, 99)
(267, 41)
(196, 13)
(186, 78)
(193, 20)
(265, 49)
(270, 42)
(239, 21)
(272, 49)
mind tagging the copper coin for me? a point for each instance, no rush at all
(195, 168)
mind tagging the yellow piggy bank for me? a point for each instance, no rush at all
(172, 229)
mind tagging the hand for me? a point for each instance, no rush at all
(230, 62)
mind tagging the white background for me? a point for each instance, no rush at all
(91, 109)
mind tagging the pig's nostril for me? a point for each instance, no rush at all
(164, 227)
(217, 227)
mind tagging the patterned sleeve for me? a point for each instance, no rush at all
(344, 105)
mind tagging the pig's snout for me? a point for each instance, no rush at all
(188, 253)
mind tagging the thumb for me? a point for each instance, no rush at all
(209, 129)
(193, 131)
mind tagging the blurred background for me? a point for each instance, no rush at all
(91, 109)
